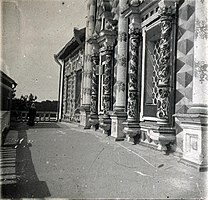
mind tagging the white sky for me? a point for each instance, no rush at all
(32, 32)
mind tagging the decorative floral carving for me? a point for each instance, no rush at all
(87, 73)
(134, 31)
(201, 29)
(133, 65)
(201, 70)
(164, 67)
(122, 37)
(132, 105)
(121, 86)
(165, 11)
(106, 103)
(107, 75)
(164, 63)
(95, 60)
(163, 103)
(93, 107)
(123, 60)
(87, 91)
(107, 83)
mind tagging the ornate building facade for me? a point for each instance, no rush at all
(145, 72)
(71, 59)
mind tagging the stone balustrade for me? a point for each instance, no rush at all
(41, 116)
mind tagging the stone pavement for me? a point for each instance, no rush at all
(60, 160)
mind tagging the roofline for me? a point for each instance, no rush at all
(8, 78)
(75, 38)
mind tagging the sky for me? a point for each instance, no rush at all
(32, 32)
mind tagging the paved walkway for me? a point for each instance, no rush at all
(54, 160)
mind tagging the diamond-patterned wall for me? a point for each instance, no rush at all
(185, 55)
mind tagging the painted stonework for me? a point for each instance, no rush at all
(185, 55)
(201, 71)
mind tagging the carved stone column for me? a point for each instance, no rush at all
(164, 70)
(131, 126)
(119, 114)
(85, 109)
(105, 121)
(163, 134)
(94, 94)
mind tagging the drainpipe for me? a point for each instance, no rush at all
(60, 95)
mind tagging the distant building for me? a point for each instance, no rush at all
(71, 61)
(145, 74)
(7, 88)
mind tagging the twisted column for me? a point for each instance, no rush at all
(94, 94)
(131, 126)
(133, 69)
(164, 70)
(107, 83)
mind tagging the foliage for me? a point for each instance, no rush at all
(24, 102)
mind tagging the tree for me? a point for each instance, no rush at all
(24, 102)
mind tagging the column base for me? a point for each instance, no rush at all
(132, 131)
(117, 119)
(105, 124)
(162, 136)
(94, 121)
(195, 127)
(84, 116)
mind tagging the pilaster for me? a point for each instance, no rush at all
(195, 122)
(119, 114)
(87, 73)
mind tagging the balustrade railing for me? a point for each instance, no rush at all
(41, 116)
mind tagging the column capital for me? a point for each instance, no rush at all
(167, 7)
(135, 25)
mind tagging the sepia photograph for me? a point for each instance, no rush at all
(104, 99)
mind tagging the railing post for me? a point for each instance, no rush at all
(49, 116)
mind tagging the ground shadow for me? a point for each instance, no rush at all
(19, 177)
(44, 125)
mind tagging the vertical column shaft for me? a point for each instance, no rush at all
(107, 83)
(122, 59)
(200, 75)
(88, 63)
(94, 96)
(164, 71)
(132, 70)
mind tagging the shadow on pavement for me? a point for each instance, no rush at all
(19, 179)
(38, 125)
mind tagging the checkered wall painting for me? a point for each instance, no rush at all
(185, 54)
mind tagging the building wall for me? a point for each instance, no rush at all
(184, 64)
